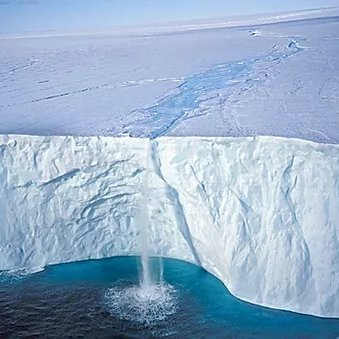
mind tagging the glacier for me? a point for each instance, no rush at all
(259, 213)
(262, 76)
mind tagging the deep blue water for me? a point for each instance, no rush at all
(73, 300)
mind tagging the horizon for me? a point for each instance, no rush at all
(25, 16)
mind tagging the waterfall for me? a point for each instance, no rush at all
(146, 280)
(151, 300)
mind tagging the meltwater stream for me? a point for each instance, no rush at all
(198, 89)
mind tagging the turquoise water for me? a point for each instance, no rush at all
(75, 300)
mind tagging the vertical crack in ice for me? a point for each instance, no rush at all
(286, 189)
(213, 212)
(173, 195)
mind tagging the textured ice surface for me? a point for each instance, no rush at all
(259, 213)
(199, 79)
(197, 92)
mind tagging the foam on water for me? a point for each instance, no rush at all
(102, 298)
(12, 275)
(144, 305)
(150, 301)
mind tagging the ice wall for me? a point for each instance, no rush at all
(262, 214)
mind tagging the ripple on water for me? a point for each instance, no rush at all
(18, 274)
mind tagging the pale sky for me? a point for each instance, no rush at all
(75, 15)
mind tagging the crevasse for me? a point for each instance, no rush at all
(261, 214)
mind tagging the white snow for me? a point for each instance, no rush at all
(259, 213)
(165, 80)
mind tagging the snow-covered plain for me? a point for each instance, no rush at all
(262, 214)
(202, 79)
(259, 213)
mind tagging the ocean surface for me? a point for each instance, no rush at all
(102, 298)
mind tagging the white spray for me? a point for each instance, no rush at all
(149, 301)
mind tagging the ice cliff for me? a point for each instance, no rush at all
(261, 214)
